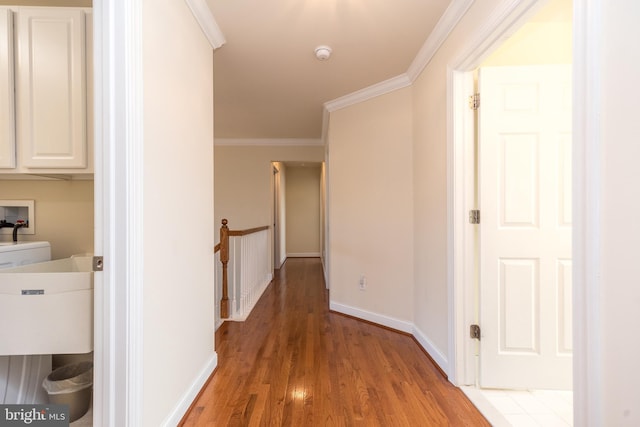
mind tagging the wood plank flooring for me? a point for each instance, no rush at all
(295, 363)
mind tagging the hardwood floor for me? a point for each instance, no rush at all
(295, 363)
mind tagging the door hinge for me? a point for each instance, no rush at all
(98, 263)
(474, 332)
(474, 216)
(474, 101)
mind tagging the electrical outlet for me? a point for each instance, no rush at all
(363, 283)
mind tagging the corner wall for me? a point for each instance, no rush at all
(371, 209)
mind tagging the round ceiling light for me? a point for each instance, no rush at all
(323, 52)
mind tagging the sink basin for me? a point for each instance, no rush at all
(47, 307)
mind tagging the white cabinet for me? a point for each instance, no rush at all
(7, 118)
(52, 106)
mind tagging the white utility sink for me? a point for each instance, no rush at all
(47, 307)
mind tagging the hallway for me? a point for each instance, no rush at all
(294, 363)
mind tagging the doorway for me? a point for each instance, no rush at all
(550, 22)
(298, 210)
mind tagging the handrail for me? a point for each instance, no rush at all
(233, 233)
(248, 231)
(223, 247)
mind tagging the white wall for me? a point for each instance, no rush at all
(303, 211)
(371, 208)
(617, 153)
(178, 347)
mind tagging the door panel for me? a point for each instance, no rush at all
(525, 232)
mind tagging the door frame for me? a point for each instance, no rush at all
(509, 16)
(118, 179)
(276, 191)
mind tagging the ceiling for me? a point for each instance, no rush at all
(267, 80)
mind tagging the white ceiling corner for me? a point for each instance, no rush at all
(443, 28)
(203, 15)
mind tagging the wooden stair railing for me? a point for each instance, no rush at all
(223, 247)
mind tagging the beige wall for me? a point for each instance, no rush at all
(371, 207)
(64, 213)
(243, 178)
(303, 211)
(178, 236)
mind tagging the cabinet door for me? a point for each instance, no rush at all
(7, 118)
(51, 88)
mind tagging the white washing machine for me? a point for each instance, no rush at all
(21, 376)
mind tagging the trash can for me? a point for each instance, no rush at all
(71, 385)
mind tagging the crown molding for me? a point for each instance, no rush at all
(443, 28)
(441, 31)
(210, 28)
(377, 89)
(269, 142)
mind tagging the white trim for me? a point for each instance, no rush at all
(502, 23)
(118, 363)
(441, 31)
(587, 150)
(460, 199)
(397, 324)
(433, 351)
(389, 322)
(367, 93)
(256, 297)
(134, 210)
(269, 141)
(207, 22)
(303, 255)
(190, 395)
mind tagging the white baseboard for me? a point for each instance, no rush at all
(284, 258)
(400, 325)
(433, 351)
(303, 255)
(241, 318)
(389, 322)
(187, 399)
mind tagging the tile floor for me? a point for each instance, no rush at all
(524, 408)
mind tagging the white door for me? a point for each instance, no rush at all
(525, 230)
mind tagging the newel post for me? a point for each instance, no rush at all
(224, 258)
